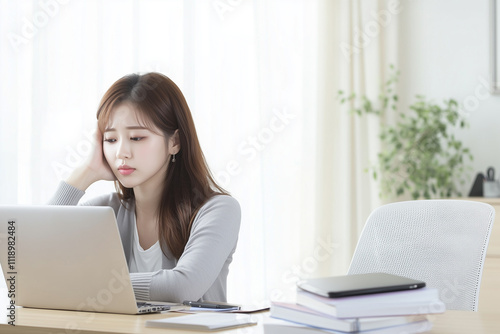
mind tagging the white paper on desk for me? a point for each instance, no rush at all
(203, 321)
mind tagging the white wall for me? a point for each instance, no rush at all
(444, 53)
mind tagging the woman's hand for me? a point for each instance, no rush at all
(95, 167)
(96, 161)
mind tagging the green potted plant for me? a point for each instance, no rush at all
(420, 155)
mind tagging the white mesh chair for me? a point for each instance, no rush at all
(442, 242)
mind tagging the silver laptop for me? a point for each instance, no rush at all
(67, 258)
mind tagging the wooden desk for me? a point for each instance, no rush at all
(31, 321)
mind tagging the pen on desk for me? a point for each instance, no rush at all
(210, 305)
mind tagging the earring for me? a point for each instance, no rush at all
(173, 158)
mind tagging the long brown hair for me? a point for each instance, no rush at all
(188, 182)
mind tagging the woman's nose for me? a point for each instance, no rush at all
(123, 151)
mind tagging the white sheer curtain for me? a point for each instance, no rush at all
(260, 77)
(247, 69)
(357, 44)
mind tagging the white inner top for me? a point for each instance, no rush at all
(148, 260)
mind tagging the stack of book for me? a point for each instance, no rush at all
(385, 312)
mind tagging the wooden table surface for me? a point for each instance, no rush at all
(66, 322)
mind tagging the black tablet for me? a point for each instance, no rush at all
(359, 284)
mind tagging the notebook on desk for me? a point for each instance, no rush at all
(67, 258)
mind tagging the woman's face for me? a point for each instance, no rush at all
(136, 155)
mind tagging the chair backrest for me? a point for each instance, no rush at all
(442, 242)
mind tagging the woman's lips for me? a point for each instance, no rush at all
(125, 170)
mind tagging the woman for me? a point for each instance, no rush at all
(179, 229)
